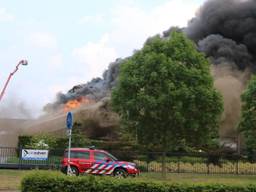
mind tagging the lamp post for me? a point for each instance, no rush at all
(22, 62)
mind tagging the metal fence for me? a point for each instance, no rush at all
(145, 161)
(11, 158)
(189, 162)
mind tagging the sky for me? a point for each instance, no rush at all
(70, 42)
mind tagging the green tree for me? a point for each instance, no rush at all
(165, 94)
(79, 138)
(247, 124)
(41, 141)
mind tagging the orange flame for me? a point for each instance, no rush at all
(76, 103)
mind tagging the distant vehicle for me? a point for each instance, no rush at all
(96, 162)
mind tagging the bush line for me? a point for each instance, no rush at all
(42, 181)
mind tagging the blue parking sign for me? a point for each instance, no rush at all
(69, 120)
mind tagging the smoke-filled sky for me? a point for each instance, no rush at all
(70, 42)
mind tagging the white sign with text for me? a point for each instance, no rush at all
(34, 154)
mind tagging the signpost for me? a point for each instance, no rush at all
(69, 124)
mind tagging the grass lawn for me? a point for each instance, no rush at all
(10, 179)
(189, 178)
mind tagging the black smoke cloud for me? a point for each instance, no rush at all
(96, 89)
(221, 50)
(225, 30)
(233, 24)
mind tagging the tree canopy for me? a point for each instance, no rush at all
(165, 92)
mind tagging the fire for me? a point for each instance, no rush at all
(76, 103)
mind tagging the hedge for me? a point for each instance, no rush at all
(41, 181)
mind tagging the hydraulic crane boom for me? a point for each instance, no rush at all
(22, 62)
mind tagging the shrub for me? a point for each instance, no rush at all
(24, 140)
(40, 141)
(41, 181)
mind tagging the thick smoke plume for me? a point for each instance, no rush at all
(95, 90)
(233, 21)
(222, 50)
(12, 115)
(230, 82)
(15, 110)
(225, 30)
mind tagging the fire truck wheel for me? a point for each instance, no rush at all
(74, 171)
(120, 173)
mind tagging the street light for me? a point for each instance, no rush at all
(22, 62)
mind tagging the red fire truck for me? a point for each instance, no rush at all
(97, 162)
